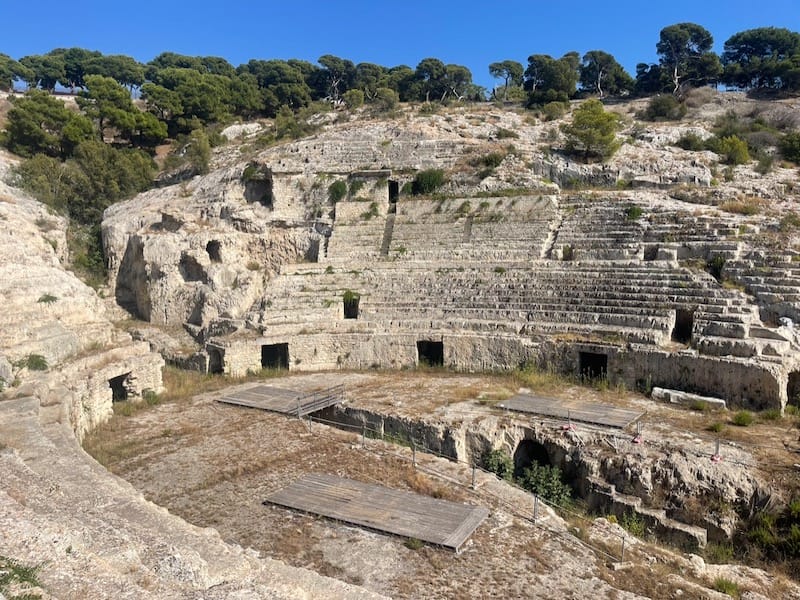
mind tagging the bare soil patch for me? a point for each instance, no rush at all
(213, 465)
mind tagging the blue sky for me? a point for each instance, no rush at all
(470, 33)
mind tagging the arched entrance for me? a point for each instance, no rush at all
(529, 452)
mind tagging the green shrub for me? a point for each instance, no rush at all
(732, 149)
(664, 107)
(545, 481)
(337, 191)
(353, 99)
(772, 414)
(554, 110)
(592, 132)
(719, 554)
(493, 159)
(726, 586)
(355, 187)
(715, 265)
(789, 145)
(691, 141)
(32, 362)
(743, 418)
(47, 299)
(502, 134)
(413, 544)
(428, 181)
(716, 427)
(633, 524)
(16, 579)
(499, 463)
(633, 212)
(386, 99)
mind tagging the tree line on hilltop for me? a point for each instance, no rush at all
(81, 161)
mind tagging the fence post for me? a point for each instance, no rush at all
(473, 477)
(622, 554)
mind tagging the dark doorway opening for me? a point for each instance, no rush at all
(259, 190)
(592, 365)
(394, 191)
(650, 252)
(430, 353)
(275, 356)
(215, 363)
(684, 323)
(190, 269)
(351, 306)
(213, 248)
(119, 387)
(527, 453)
(793, 389)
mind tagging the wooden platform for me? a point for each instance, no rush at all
(575, 410)
(287, 402)
(406, 514)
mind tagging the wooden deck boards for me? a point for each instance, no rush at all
(287, 402)
(376, 507)
(575, 410)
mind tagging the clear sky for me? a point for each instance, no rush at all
(468, 32)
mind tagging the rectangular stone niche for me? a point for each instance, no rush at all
(275, 356)
(592, 365)
(430, 353)
(119, 387)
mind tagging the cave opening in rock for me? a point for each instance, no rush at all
(394, 191)
(119, 387)
(650, 253)
(213, 248)
(592, 365)
(684, 323)
(275, 356)
(259, 189)
(216, 364)
(190, 269)
(430, 353)
(527, 453)
(351, 306)
(793, 389)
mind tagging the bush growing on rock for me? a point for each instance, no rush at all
(732, 149)
(337, 191)
(428, 181)
(789, 146)
(593, 131)
(353, 99)
(499, 463)
(664, 107)
(545, 481)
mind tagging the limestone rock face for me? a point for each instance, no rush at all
(193, 253)
(57, 343)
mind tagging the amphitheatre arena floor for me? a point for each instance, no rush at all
(213, 464)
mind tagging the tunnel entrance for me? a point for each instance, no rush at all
(351, 306)
(119, 387)
(394, 191)
(592, 365)
(275, 356)
(430, 353)
(213, 248)
(793, 389)
(215, 362)
(684, 323)
(529, 452)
